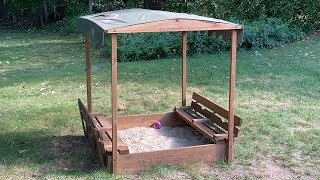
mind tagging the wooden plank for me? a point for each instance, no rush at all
(214, 127)
(185, 116)
(208, 132)
(103, 121)
(199, 126)
(146, 120)
(175, 25)
(114, 100)
(122, 147)
(216, 108)
(88, 72)
(193, 113)
(184, 68)
(83, 114)
(214, 118)
(136, 162)
(231, 116)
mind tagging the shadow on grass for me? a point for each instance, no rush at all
(67, 155)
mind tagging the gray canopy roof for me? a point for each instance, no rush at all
(96, 25)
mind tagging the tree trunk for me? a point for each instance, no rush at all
(45, 13)
(2, 9)
(54, 12)
(41, 17)
(90, 7)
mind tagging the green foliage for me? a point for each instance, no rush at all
(270, 33)
(132, 47)
(42, 75)
(69, 23)
(146, 46)
(257, 34)
(301, 13)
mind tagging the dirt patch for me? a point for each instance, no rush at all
(262, 169)
(69, 153)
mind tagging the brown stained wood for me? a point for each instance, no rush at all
(184, 68)
(199, 126)
(208, 132)
(122, 147)
(231, 117)
(215, 108)
(192, 113)
(185, 116)
(213, 126)
(83, 116)
(114, 100)
(101, 151)
(175, 25)
(102, 121)
(88, 73)
(136, 162)
(146, 120)
(216, 119)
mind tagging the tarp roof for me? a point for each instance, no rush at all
(144, 20)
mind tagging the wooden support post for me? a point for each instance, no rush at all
(88, 73)
(231, 95)
(184, 67)
(114, 101)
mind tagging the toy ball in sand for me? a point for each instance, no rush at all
(156, 125)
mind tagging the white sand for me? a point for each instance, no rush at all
(142, 139)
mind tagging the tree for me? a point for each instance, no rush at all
(2, 9)
(153, 4)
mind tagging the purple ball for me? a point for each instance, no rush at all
(156, 125)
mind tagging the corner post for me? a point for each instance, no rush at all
(88, 73)
(114, 102)
(231, 95)
(184, 67)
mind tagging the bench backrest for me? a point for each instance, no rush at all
(215, 112)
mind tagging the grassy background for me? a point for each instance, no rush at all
(42, 75)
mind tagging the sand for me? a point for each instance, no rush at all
(142, 139)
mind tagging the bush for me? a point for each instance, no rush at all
(69, 23)
(269, 33)
(146, 46)
(258, 34)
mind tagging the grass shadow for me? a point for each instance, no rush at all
(68, 155)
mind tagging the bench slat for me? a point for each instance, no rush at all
(199, 126)
(215, 108)
(214, 117)
(103, 125)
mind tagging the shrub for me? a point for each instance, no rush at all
(257, 34)
(69, 23)
(269, 33)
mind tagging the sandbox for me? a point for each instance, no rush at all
(217, 125)
(145, 139)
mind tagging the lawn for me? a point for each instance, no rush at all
(42, 75)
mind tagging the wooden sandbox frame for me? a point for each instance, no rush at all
(215, 123)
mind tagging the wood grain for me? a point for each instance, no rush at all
(135, 162)
(184, 68)
(146, 120)
(175, 25)
(231, 116)
(88, 73)
(114, 100)
(215, 108)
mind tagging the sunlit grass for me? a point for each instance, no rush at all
(42, 75)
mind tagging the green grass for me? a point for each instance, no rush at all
(42, 75)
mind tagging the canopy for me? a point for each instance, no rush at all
(143, 20)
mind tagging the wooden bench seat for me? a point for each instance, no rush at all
(99, 132)
(207, 118)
